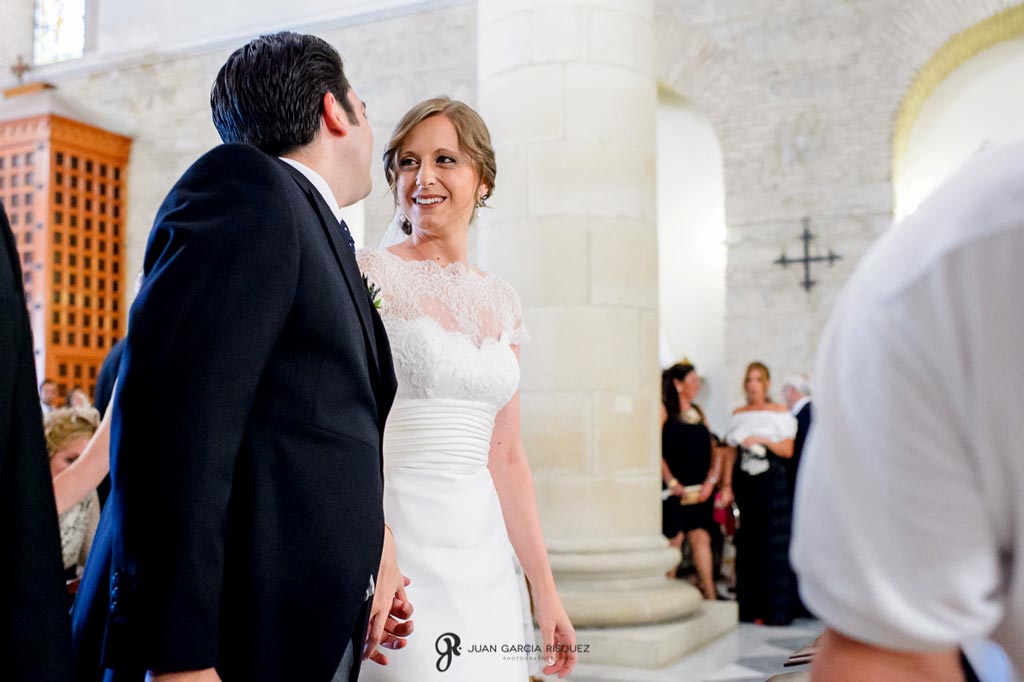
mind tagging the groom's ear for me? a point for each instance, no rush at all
(335, 117)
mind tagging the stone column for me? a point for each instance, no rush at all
(567, 88)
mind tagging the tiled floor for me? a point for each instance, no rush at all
(753, 653)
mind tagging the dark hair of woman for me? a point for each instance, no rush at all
(669, 394)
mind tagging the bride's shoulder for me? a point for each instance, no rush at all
(503, 291)
(366, 254)
(371, 260)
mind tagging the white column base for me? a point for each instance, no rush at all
(659, 645)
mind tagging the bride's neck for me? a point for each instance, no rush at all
(442, 249)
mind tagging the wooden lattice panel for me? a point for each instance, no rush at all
(63, 185)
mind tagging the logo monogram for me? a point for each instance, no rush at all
(447, 645)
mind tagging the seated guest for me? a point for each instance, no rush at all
(78, 398)
(68, 430)
(762, 434)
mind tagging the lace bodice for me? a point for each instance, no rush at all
(77, 527)
(451, 328)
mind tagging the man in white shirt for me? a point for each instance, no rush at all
(909, 522)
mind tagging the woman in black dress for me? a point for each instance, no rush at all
(762, 433)
(689, 468)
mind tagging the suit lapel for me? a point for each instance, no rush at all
(346, 261)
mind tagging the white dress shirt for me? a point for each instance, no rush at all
(909, 528)
(318, 182)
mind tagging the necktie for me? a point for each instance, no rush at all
(348, 236)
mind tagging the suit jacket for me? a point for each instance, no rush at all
(803, 425)
(104, 392)
(107, 376)
(35, 643)
(245, 519)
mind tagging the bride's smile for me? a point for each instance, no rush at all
(438, 184)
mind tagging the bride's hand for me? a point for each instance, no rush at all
(559, 635)
(389, 614)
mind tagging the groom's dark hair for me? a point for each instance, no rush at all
(270, 92)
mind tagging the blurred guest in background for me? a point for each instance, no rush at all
(762, 433)
(797, 394)
(48, 396)
(77, 397)
(68, 431)
(690, 470)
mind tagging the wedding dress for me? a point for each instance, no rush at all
(451, 330)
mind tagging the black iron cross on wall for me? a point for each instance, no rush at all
(784, 261)
(19, 69)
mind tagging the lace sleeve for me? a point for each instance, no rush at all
(512, 314)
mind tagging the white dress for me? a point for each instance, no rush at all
(77, 529)
(451, 330)
(774, 426)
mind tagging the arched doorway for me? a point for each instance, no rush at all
(691, 248)
(965, 98)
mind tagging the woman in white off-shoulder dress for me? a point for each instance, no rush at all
(458, 494)
(762, 433)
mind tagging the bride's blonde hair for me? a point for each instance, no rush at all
(474, 138)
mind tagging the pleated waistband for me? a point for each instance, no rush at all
(446, 435)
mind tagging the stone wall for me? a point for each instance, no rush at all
(804, 98)
(16, 24)
(162, 102)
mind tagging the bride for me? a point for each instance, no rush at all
(458, 494)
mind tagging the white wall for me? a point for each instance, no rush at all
(16, 23)
(691, 251)
(159, 25)
(980, 103)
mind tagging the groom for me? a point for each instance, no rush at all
(245, 523)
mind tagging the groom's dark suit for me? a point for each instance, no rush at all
(246, 519)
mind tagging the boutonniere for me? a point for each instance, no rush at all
(373, 291)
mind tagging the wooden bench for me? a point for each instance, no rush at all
(802, 656)
(791, 677)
